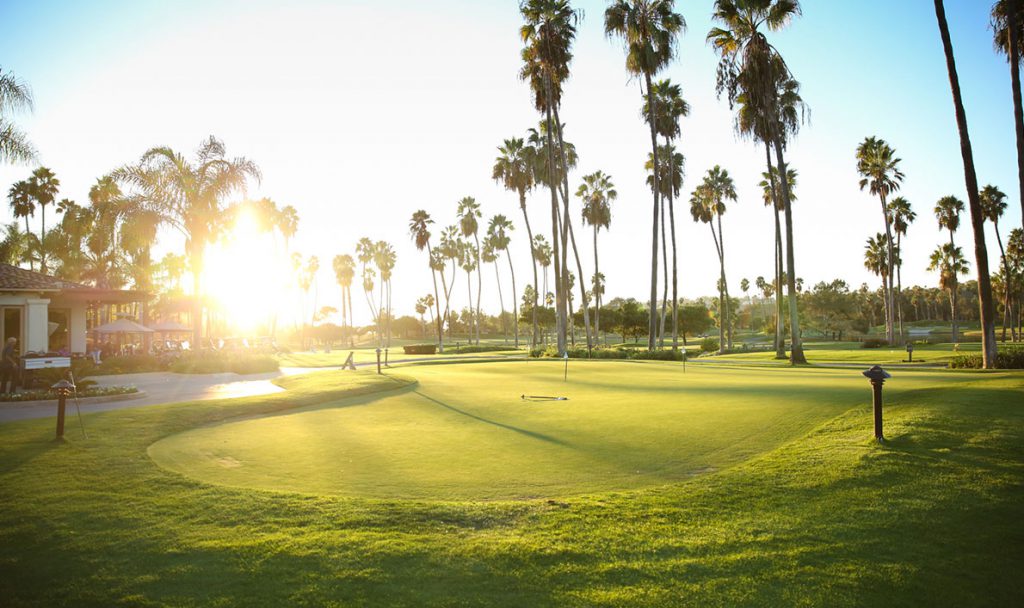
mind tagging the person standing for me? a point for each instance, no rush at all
(9, 365)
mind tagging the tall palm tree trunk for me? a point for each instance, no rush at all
(597, 292)
(890, 334)
(583, 286)
(515, 297)
(725, 283)
(652, 111)
(721, 284)
(675, 273)
(953, 312)
(664, 282)
(780, 340)
(437, 301)
(28, 248)
(501, 301)
(1018, 109)
(796, 346)
(567, 230)
(1007, 282)
(533, 259)
(899, 285)
(479, 287)
(469, 294)
(560, 303)
(988, 329)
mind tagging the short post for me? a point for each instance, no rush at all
(910, 352)
(378, 360)
(877, 376)
(63, 389)
(565, 376)
(386, 358)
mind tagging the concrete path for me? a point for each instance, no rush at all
(166, 387)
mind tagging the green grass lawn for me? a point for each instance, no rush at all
(852, 352)
(726, 486)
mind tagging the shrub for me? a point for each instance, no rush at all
(130, 364)
(874, 343)
(476, 348)
(709, 345)
(611, 353)
(420, 349)
(1010, 358)
(46, 394)
(211, 363)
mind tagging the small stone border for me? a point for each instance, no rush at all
(71, 400)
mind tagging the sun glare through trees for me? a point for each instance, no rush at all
(522, 303)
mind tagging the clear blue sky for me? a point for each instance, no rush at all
(360, 113)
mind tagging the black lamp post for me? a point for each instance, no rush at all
(877, 376)
(910, 352)
(63, 389)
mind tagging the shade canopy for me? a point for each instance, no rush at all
(122, 326)
(169, 326)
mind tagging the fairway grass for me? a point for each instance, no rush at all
(852, 352)
(818, 515)
(465, 433)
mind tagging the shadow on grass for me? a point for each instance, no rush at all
(514, 429)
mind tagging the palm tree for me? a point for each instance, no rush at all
(993, 205)
(385, 258)
(947, 212)
(548, 33)
(880, 173)
(344, 272)
(707, 203)
(949, 261)
(987, 312)
(514, 169)
(752, 68)
(901, 218)
(498, 238)
(449, 249)
(468, 213)
(43, 186)
(15, 96)
(419, 230)
(543, 254)
(876, 259)
(649, 29)
(769, 188)
(22, 206)
(189, 197)
(668, 98)
(671, 183)
(365, 252)
(14, 246)
(1008, 38)
(597, 192)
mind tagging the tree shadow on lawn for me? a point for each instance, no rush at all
(515, 429)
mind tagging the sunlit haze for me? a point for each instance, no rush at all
(359, 113)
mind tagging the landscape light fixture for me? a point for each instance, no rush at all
(877, 376)
(63, 389)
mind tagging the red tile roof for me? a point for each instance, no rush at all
(13, 278)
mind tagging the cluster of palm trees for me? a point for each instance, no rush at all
(459, 245)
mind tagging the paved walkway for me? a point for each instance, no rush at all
(166, 387)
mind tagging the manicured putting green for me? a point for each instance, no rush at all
(464, 432)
